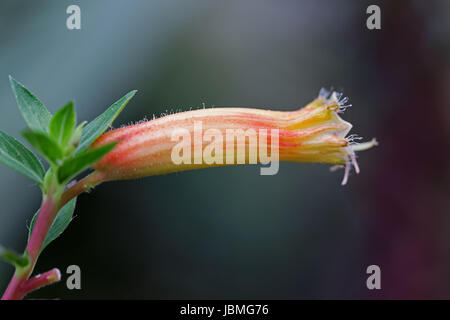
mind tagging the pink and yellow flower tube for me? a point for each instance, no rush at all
(315, 133)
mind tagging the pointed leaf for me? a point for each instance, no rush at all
(73, 166)
(44, 144)
(33, 111)
(61, 222)
(15, 155)
(62, 125)
(95, 128)
(17, 260)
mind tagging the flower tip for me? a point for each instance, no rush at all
(338, 102)
(351, 160)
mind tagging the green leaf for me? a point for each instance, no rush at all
(77, 133)
(73, 166)
(15, 155)
(62, 125)
(61, 222)
(44, 144)
(33, 111)
(95, 128)
(19, 261)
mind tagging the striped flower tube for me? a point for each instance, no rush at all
(228, 136)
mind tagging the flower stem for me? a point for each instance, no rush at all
(20, 283)
(44, 220)
(47, 212)
(85, 184)
(42, 280)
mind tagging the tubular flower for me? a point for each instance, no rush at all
(225, 136)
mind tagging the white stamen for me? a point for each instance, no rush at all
(365, 145)
(336, 167)
(346, 174)
(353, 161)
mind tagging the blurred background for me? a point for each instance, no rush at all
(229, 233)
